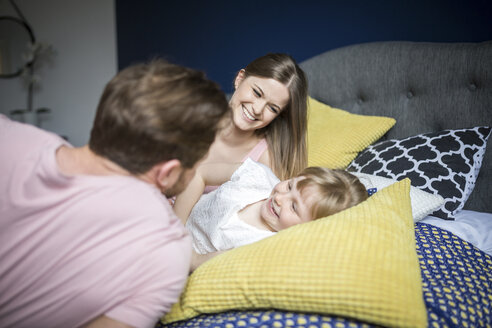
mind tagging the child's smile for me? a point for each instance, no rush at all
(270, 204)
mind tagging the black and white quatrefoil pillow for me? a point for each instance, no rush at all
(444, 163)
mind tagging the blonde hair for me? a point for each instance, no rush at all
(286, 134)
(336, 190)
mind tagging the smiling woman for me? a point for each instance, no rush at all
(269, 108)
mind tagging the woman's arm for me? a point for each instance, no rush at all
(187, 199)
(199, 259)
(106, 322)
(209, 174)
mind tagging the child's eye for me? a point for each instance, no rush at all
(294, 207)
(289, 185)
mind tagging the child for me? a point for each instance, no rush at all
(254, 204)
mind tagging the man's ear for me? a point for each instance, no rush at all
(239, 78)
(167, 174)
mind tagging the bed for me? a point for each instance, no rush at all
(418, 252)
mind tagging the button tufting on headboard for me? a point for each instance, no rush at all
(452, 93)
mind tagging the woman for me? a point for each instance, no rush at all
(269, 109)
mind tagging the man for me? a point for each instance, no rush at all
(86, 236)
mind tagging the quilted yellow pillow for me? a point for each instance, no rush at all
(335, 136)
(359, 263)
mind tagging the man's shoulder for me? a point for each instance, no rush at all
(126, 195)
(19, 139)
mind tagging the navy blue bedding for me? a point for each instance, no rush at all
(457, 290)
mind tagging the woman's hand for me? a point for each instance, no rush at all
(209, 174)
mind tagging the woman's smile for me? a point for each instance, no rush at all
(247, 114)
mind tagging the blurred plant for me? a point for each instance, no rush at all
(37, 55)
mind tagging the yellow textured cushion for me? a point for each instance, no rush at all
(335, 136)
(358, 263)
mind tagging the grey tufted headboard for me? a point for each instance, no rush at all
(424, 86)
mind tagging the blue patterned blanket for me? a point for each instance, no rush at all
(456, 280)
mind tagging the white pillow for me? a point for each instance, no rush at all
(423, 203)
(472, 226)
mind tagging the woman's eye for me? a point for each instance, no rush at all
(274, 110)
(257, 93)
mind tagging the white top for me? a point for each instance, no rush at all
(214, 223)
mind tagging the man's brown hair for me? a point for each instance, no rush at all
(154, 112)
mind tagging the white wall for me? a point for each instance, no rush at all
(83, 35)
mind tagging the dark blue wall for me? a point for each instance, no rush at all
(220, 37)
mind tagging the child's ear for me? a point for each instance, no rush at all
(239, 78)
(167, 174)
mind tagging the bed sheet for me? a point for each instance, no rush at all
(472, 226)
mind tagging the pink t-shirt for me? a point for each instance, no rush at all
(73, 248)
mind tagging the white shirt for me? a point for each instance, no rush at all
(214, 223)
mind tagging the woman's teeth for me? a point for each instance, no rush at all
(248, 115)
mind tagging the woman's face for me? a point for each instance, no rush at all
(257, 101)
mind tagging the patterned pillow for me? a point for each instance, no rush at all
(445, 163)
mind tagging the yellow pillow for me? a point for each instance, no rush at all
(335, 136)
(359, 263)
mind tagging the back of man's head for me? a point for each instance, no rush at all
(155, 112)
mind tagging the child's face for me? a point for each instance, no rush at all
(286, 206)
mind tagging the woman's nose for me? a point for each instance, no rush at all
(258, 106)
